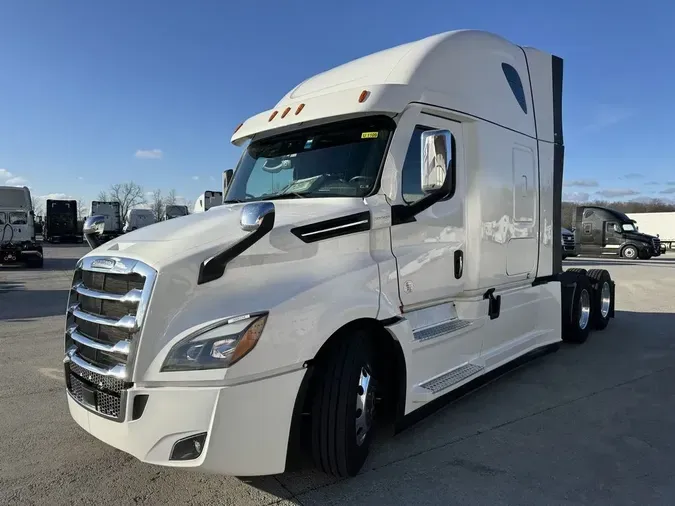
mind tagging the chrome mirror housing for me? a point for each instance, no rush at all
(92, 230)
(253, 214)
(436, 159)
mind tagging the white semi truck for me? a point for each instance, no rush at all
(138, 218)
(17, 228)
(207, 200)
(390, 238)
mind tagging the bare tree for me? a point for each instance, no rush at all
(129, 195)
(170, 199)
(82, 209)
(37, 206)
(189, 204)
(102, 196)
(157, 205)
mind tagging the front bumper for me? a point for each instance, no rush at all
(247, 425)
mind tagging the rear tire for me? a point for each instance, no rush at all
(602, 302)
(343, 402)
(577, 316)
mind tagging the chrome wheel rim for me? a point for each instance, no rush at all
(630, 253)
(605, 299)
(585, 309)
(365, 405)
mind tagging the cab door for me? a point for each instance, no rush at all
(430, 245)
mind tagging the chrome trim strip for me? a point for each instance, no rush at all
(324, 230)
(121, 347)
(132, 297)
(127, 322)
(119, 371)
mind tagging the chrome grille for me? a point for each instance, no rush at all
(568, 240)
(657, 244)
(107, 304)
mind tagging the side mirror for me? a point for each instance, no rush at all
(253, 215)
(436, 162)
(93, 229)
(227, 179)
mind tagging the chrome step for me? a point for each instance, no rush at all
(447, 327)
(444, 381)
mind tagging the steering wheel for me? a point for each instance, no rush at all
(360, 178)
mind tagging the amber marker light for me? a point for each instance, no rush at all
(363, 96)
(286, 111)
(273, 115)
(300, 108)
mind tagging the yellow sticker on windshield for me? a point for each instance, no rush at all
(369, 135)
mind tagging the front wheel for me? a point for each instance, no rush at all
(343, 408)
(630, 252)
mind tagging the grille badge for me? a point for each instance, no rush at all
(103, 263)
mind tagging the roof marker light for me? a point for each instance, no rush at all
(300, 108)
(273, 115)
(363, 96)
(286, 111)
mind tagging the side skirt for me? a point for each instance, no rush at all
(405, 422)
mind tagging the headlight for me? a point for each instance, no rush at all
(217, 346)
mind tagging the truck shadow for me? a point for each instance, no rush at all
(18, 304)
(636, 344)
(660, 261)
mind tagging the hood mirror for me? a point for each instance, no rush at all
(253, 215)
(93, 230)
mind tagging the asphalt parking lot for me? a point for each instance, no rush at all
(590, 424)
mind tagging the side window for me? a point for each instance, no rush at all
(610, 226)
(411, 184)
(516, 85)
(2, 218)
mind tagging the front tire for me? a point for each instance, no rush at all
(343, 408)
(630, 252)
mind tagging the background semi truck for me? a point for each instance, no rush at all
(390, 237)
(207, 200)
(17, 228)
(175, 211)
(60, 222)
(138, 218)
(112, 218)
(600, 231)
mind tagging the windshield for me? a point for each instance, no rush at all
(629, 227)
(18, 219)
(14, 197)
(341, 159)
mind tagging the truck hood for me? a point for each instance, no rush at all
(639, 236)
(166, 242)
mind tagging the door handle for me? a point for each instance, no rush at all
(459, 263)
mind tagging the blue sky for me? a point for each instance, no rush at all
(89, 89)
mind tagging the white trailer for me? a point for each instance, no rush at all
(138, 218)
(389, 238)
(207, 200)
(657, 224)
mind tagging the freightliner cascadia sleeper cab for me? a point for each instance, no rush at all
(390, 234)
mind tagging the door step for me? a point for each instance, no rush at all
(430, 389)
(440, 329)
